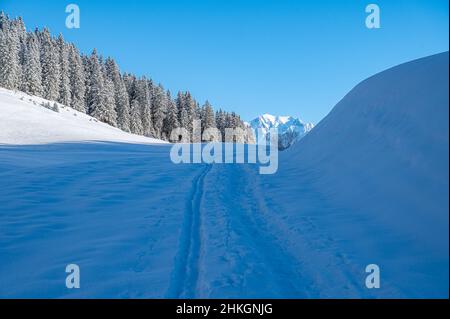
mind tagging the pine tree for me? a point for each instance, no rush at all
(221, 123)
(135, 118)
(184, 118)
(19, 27)
(101, 103)
(10, 69)
(50, 66)
(189, 111)
(208, 116)
(105, 111)
(95, 85)
(77, 80)
(143, 95)
(32, 78)
(64, 72)
(122, 102)
(171, 119)
(159, 108)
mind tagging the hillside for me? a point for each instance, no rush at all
(24, 120)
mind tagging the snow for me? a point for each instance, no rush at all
(368, 185)
(24, 121)
(370, 182)
(290, 129)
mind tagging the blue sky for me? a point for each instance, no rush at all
(283, 57)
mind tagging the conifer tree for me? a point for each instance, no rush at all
(171, 119)
(122, 103)
(50, 66)
(159, 108)
(10, 69)
(77, 80)
(135, 118)
(32, 78)
(64, 80)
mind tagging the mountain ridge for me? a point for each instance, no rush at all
(290, 129)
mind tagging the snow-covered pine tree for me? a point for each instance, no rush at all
(208, 116)
(50, 65)
(135, 118)
(143, 95)
(190, 108)
(77, 80)
(32, 78)
(171, 119)
(10, 69)
(101, 103)
(122, 103)
(179, 103)
(3, 19)
(19, 26)
(105, 111)
(159, 109)
(221, 122)
(95, 85)
(130, 85)
(184, 117)
(64, 72)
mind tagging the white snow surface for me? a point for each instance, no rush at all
(24, 120)
(369, 185)
(378, 167)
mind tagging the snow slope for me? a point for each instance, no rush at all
(290, 129)
(377, 170)
(23, 120)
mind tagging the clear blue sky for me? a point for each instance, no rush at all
(287, 57)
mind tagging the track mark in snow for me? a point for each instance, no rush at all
(184, 277)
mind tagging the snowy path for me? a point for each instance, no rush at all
(185, 273)
(140, 226)
(250, 261)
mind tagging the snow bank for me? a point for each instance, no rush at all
(379, 161)
(24, 121)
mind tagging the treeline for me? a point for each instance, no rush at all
(39, 64)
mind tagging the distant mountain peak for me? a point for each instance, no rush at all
(290, 129)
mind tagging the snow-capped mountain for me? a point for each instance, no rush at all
(290, 129)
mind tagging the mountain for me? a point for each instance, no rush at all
(376, 170)
(27, 119)
(290, 129)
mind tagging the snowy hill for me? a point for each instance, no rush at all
(290, 129)
(24, 119)
(379, 162)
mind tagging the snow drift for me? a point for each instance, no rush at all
(24, 120)
(380, 159)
